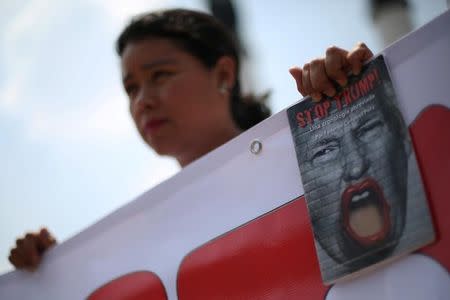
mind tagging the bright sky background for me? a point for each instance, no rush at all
(68, 149)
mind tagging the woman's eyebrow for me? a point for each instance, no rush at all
(159, 62)
(152, 64)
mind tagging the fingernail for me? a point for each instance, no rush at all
(316, 96)
(293, 71)
(342, 82)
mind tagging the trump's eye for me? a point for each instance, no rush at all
(324, 153)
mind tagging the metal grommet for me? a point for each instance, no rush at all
(255, 147)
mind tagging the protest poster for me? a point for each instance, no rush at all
(360, 174)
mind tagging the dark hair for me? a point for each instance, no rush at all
(205, 38)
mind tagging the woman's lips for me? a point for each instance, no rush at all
(153, 126)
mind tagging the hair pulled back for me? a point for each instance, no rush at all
(205, 38)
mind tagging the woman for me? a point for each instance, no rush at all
(180, 71)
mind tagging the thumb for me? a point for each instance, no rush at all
(297, 74)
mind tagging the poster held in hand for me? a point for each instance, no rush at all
(354, 154)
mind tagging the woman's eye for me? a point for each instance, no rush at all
(131, 90)
(160, 76)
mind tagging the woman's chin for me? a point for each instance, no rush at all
(163, 149)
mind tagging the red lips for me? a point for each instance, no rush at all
(378, 199)
(153, 125)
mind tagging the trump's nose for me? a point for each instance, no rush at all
(354, 160)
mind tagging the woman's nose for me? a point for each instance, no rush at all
(146, 97)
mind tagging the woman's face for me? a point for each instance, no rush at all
(175, 101)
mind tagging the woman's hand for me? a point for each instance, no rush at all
(28, 251)
(317, 77)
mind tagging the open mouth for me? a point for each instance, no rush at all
(365, 213)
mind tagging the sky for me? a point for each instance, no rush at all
(69, 151)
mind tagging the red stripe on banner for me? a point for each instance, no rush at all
(140, 285)
(272, 257)
(430, 133)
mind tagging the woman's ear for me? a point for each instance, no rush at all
(225, 74)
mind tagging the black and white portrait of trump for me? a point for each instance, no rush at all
(354, 169)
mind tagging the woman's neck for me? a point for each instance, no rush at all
(212, 143)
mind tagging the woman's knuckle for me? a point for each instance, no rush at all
(332, 50)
